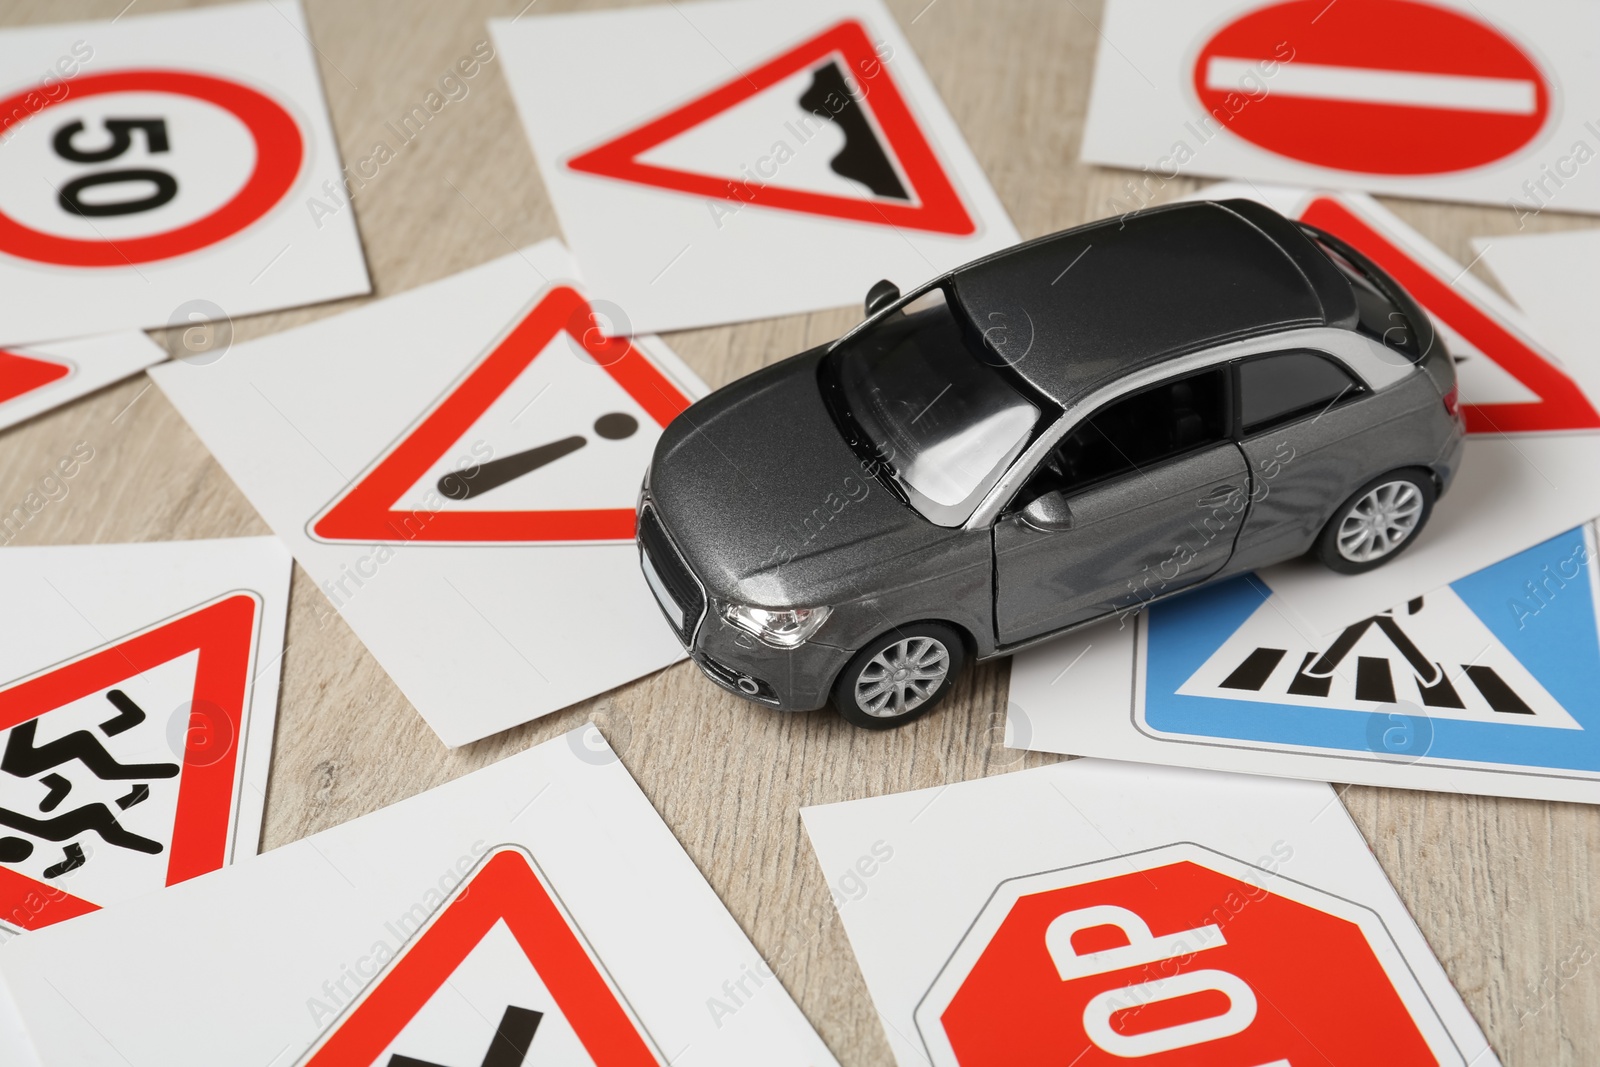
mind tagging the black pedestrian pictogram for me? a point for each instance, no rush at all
(509, 1048)
(1374, 676)
(25, 758)
(466, 484)
(862, 158)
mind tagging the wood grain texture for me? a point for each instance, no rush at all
(1505, 890)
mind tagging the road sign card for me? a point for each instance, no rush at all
(1446, 100)
(1533, 427)
(479, 922)
(761, 159)
(136, 718)
(1482, 686)
(457, 467)
(1100, 913)
(160, 169)
(36, 378)
(499, 961)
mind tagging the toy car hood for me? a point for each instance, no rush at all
(759, 525)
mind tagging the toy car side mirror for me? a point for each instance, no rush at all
(1049, 513)
(881, 295)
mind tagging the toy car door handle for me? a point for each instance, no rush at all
(1222, 494)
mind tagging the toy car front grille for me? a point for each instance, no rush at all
(679, 582)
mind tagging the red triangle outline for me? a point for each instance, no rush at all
(939, 208)
(505, 887)
(223, 631)
(1561, 406)
(364, 510)
(21, 375)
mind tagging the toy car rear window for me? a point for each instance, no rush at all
(1380, 317)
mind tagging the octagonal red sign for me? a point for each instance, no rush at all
(1373, 86)
(1179, 955)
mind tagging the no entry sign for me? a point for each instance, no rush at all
(1389, 87)
(1179, 955)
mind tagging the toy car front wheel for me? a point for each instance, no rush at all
(1378, 521)
(900, 676)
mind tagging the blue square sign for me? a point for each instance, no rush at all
(1500, 669)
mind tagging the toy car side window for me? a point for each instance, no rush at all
(1286, 386)
(1137, 431)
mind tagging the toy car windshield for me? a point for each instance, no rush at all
(937, 420)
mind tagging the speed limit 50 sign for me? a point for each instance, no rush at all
(155, 161)
(125, 172)
(1177, 955)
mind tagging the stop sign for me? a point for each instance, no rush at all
(1373, 86)
(1179, 955)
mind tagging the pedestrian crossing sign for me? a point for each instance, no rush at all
(1495, 671)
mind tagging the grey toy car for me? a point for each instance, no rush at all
(1063, 431)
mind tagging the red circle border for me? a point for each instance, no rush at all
(280, 150)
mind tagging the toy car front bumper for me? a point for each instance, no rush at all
(796, 679)
(1449, 461)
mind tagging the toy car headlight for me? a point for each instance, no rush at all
(780, 628)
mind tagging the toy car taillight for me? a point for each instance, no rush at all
(1452, 401)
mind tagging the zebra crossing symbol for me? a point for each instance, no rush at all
(1495, 670)
(1433, 652)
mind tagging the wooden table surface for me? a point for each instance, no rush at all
(1506, 891)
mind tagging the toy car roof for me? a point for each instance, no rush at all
(1073, 311)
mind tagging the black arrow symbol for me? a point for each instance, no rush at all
(464, 485)
(509, 1047)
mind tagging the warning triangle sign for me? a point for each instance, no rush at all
(1558, 403)
(481, 465)
(118, 769)
(834, 79)
(21, 374)
(499, 975)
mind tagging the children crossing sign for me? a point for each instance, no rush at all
(119, 770)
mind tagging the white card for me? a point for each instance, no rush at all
(15, 1046)
(1097, 913)
(161, 169)
(138, 695)
(1533, 432)
(759, 158)
(545, 886)
(36, 378)
(457, 467)
(1486, 101)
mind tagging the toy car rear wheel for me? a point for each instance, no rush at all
(900, 676)
(1377, 523)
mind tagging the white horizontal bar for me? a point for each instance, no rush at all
(1317, 81)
